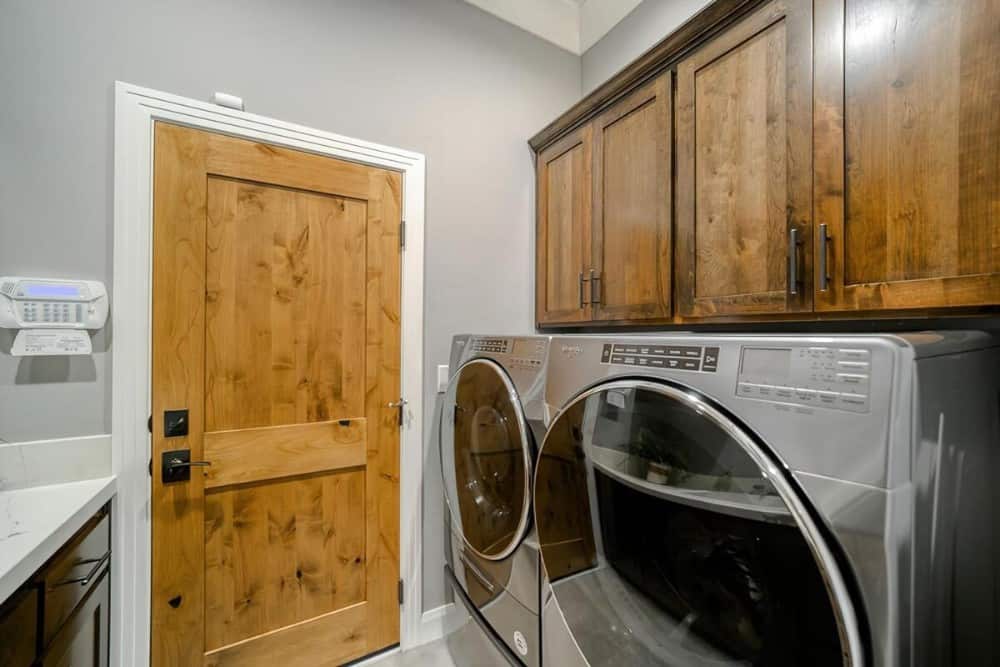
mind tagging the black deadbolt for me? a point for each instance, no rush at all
(175, 423)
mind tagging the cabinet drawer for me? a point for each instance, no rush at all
(73, 572)
(19, 629)
(82, 641)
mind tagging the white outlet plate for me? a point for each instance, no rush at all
(442, 378)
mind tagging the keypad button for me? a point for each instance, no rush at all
(853, 354)
(853, 402)
(747, 389)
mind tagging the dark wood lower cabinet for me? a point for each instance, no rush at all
(61, 616)
(19, 629)
(83, 640)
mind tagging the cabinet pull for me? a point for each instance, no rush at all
(595, 287)
(824, 242)
(84, 580)
(582, 281)
(793, 260)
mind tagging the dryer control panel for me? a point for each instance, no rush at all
(813, 376)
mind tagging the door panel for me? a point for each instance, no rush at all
(908, 98)
(743, 166)
(276, 325)
(563, 242)
(278, 262)
(632, 184)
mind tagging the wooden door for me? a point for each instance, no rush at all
(744, 166)
(631, 217)
(276, 309)
(562, 269)
(908, 153)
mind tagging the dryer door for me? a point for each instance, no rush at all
(486, 460)
(671, 537)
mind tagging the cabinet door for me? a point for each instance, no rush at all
(631, 239)
(907, 153)
(19, 629)
(83, 640)
(562, 290)
(744, 166)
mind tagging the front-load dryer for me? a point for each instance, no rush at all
(492, 416)
(771, 500)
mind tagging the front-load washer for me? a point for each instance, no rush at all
(492, 415)
(771, 500)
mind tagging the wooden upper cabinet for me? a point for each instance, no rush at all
(562, 290)
(744, 164)
(907, 153)
(631, 219)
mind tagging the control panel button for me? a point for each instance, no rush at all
(854, 366)
(853, 378)
(806, 396)
(784, 393)
(766, 391)
(828, 398)
(853, 402)
(853, 354)
(747, 389)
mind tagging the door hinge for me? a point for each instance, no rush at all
(402, 234)
(149, 424)
(400, 590)
(399, 405)
(150, 467)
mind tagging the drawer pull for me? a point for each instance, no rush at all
(84, 580)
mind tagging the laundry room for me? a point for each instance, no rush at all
(488, 333)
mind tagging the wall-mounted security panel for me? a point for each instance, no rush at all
(52, 315)
(41, 303)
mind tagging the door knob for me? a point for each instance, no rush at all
(176, 466)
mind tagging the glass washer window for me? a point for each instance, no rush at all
(485, 459)
(670, 539)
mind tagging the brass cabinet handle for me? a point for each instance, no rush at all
(824, 241)
(84, 580)
(793, 260)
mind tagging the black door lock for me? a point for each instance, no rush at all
(175, 423)
(176, 466)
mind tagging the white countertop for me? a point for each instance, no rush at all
(36, 521)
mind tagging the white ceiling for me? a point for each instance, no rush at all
(574, 25)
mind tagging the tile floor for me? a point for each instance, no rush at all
(434, 654)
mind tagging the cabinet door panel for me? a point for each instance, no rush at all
(563, 242)
(908, 153)
(744, 159)
(632, 253)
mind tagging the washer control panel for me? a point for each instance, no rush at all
(526, 353)
(816, 376)
(675, 357)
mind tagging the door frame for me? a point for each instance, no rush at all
(136, 110)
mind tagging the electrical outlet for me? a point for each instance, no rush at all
(442, 378)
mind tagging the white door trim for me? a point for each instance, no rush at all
(136, 109)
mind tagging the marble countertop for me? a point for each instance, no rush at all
(36, 521)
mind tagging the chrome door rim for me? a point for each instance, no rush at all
(829, 569)
(522, 428)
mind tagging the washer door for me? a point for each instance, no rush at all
(486, 460)
(670, 537)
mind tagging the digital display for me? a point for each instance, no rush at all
(524, 348)
(763, 363)
(50, 291)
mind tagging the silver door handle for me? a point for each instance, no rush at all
(824, 241)
(793, 260)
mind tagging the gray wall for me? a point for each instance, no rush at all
(647, 24)
(435, 76)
